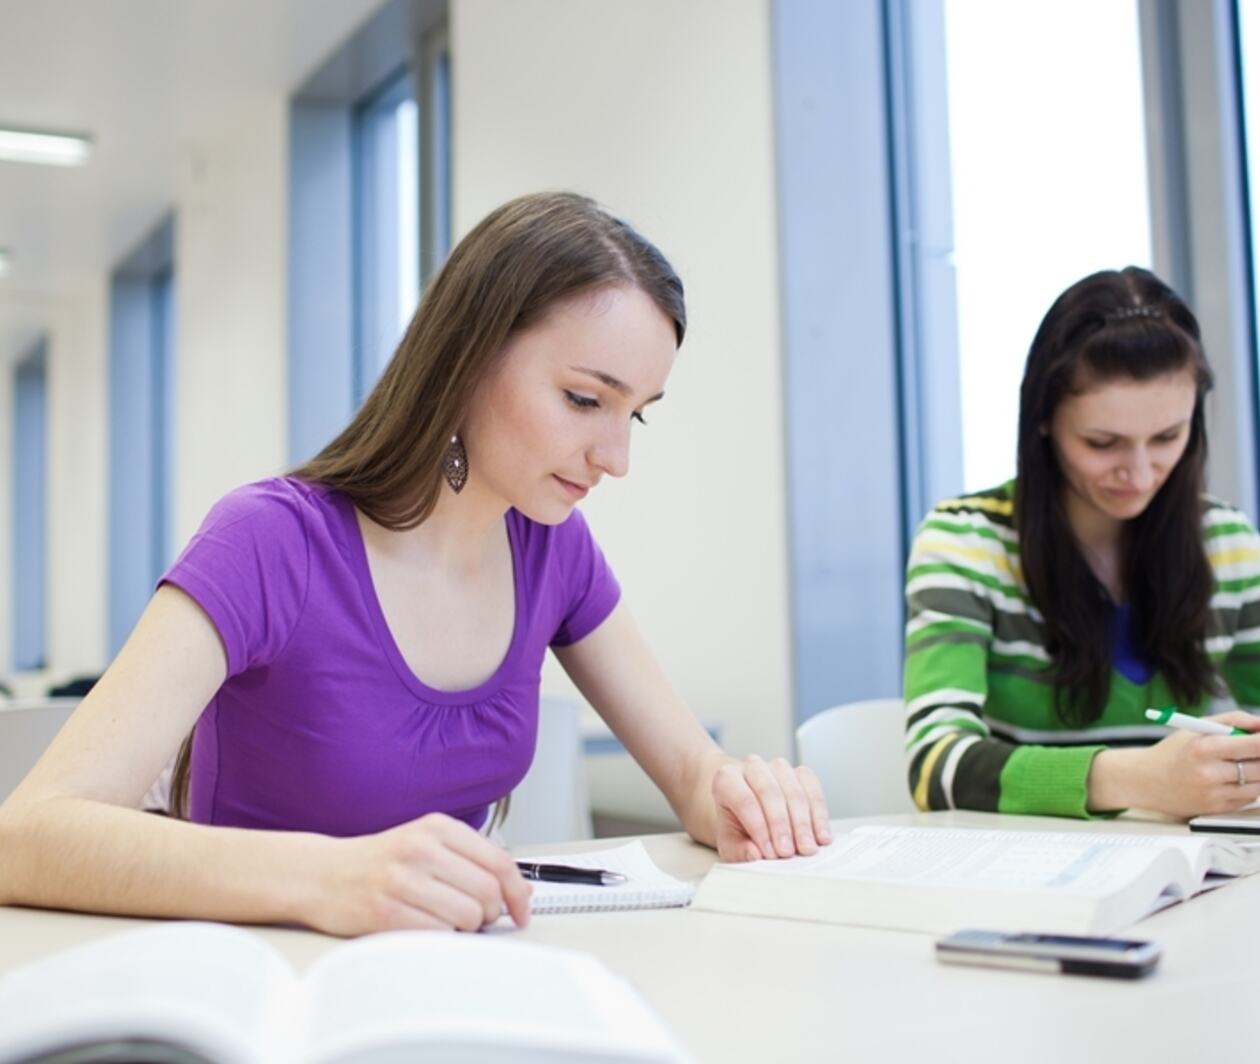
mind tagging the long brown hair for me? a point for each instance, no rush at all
(518, 263)
(1115, 324)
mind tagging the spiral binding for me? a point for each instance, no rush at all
(613, 901)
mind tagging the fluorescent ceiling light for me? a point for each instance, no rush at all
(54, 149)
(4, 261)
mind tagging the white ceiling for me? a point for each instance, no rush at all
(143, 77)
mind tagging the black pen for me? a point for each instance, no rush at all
(559, 873)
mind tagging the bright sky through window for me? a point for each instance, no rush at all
(1048, 155)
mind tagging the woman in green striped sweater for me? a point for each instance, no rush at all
(1044, 616)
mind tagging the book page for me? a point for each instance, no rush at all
(646, 886)
(423, 995)
(1209, 858)
(207, 987)
(1219, 857)
(969, 858)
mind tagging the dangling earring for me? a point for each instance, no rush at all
(455, 464)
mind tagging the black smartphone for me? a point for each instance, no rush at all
(1119, 958)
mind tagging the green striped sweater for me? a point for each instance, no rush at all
(981, 731)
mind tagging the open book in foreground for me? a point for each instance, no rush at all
(944, 879)
(195, 993)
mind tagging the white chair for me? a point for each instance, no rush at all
(27, 726)
(858, 751)
(550, 804)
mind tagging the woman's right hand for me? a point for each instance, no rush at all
(435, 873)
(1186, 774)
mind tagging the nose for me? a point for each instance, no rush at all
(1139, 470)
(611, 452)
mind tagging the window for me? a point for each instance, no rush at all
(1248, 37)
(840, 338)
(1048, 161)
(369, 210)
(386, 225)
(30, 418)
(933, 199)
(141, 363)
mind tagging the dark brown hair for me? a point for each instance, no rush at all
(518, 263)
(1115, 325)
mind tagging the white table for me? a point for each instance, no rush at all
(772, 992)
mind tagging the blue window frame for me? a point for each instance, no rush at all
(1246, 40)
(30, 510)
(1200, 115)
(871, 384)
(369, 210)
(141, 425)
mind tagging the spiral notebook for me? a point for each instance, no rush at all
(646, 886)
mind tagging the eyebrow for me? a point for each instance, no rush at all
(1121, 436)
(618, 386)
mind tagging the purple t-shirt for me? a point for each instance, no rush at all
(321, 725)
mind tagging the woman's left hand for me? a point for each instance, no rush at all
(768, 809)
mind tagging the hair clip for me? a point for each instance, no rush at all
(1126, 313)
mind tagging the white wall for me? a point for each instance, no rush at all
(662, 111)
(6, 513)
(230, 252)
(78, 382)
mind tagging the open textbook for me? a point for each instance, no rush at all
(645, 886)
(944, 879)
(196, 993)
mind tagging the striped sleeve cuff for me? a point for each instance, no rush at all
(1048, 780)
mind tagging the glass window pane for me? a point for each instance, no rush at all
(1048, 157)
(387, 225)
(407, 134)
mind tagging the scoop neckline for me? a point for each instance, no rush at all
(385, 636)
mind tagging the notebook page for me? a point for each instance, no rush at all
(646, 886)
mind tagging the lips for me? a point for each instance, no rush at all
(578, 491)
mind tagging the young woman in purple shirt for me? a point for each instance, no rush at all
(347, 659)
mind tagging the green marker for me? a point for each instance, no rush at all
(1173, 719)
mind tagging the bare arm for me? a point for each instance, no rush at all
(1183, 775)
(73, 837)
(745, 809)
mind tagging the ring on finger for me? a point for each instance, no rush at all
(1242, 775)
